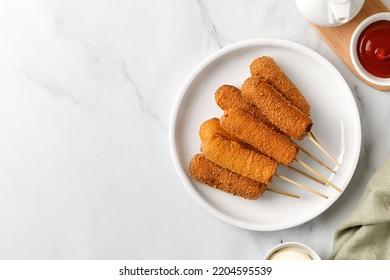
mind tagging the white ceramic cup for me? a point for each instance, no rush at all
(353, 50)
(294, 245)
(329, 12)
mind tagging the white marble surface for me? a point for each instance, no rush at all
(86, 93)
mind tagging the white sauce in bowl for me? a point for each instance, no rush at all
(290, 253)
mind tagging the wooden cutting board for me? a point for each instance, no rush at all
(338, 37)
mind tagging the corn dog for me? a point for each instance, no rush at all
(210, 126)
(228, 97)
(267, 69)
(259, 135)
(235, 157)
(213, 125)
(276, 108)
(209, 173)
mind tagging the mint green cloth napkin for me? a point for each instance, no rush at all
(366, 234)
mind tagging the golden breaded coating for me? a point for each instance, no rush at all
(207, 128)
(213, 125)
(259, 135)
(209, 173)
(237, 158)
(228, 97)
(276, 108)
(267, 69)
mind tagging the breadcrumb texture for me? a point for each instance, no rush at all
(209, 173)
(259, 135)
(229, 97)
(210, 126)
(267, 69)
(276, 108)
(235, 157)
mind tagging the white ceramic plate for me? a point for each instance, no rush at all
(336, 125)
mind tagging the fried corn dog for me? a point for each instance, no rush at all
(276, 108)
(235, 157)
(207, 128)
(259, 135)
(209, 173)
(228, 97)
(213, 125)
(267, 69)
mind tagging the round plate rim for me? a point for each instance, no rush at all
(182, 93)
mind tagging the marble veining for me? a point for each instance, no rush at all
(86, 93)
(209, 25)
(51, 86)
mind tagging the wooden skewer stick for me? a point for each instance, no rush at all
(284, 193)
(317, 174)
(301, 186)
(313, 139)
(316, 159)
(307, 175)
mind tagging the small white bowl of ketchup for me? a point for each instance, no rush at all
(370, 49)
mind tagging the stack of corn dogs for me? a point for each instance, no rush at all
(241, 150)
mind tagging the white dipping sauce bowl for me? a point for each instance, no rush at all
(353, 50)
(294, 246)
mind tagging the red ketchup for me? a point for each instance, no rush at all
(373, 48)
